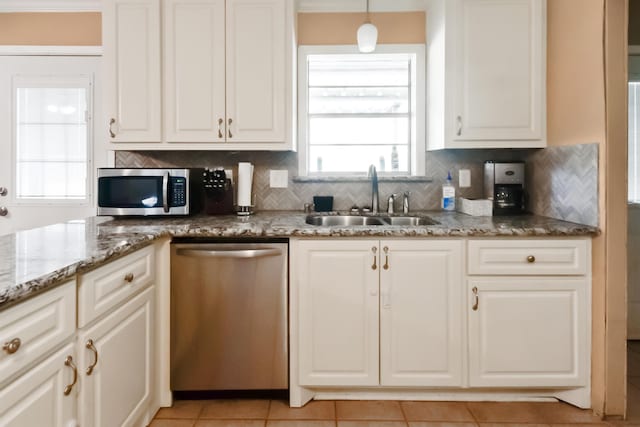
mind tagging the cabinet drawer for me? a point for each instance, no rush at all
(102, 289)
(35, 327)
(528, 257)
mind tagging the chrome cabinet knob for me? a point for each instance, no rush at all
(4, 211)
(3, 191)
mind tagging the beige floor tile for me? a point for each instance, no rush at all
(508, 412)
(300, 423)
(512, 425)
(440, 424)
(372, 424)
(172, 423)
(600, 424)
(182, 409)
(563, 413)
(436, 411)
(378, 410)
(230, 423)
(314, 410)
(236, 409)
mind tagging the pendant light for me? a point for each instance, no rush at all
(367, 35)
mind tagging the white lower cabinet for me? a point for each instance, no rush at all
(38, 397)
(379, 312)
(116, 365)
(338, 297)
(528, 332)
(484, 318)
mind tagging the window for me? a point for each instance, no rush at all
(357, 110)
(52, 138)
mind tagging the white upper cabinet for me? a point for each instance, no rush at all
(257, 75)
(486, 73)
(194, 52)
(228, 74)
(131, 40)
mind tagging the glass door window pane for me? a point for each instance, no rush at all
(52, 137)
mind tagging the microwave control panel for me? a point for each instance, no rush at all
(178, 191)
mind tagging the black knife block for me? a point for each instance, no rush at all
(218, 199)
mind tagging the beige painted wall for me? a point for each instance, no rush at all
(49, 29)
(341, 28)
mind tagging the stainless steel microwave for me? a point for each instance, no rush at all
(147, 192)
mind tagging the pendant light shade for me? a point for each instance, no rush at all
(367, 35)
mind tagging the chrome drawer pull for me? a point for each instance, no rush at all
(69, 362)
(92, 347)
(12, 346)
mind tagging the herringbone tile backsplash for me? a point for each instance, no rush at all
(577, 165)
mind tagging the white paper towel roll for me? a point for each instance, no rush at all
(245, 180)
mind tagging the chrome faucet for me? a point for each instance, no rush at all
(390, 202)
(375, 204)
(405, 202)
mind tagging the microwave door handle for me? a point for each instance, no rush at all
(165, 192)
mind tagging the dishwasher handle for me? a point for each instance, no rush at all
(229, 253)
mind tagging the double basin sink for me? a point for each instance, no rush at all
(355, 220)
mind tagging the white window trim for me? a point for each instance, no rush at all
(71, 80)
(418, 141)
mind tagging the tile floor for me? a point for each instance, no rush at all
(276, 413)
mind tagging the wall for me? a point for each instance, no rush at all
(51, 29)
(341, 28)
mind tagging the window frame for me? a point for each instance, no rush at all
(417, 118)
(55, 80)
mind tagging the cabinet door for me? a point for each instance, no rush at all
(118, 390)
(528, 332)
(37, 398)
(421, 313)
(256, 70)
(194, 58)
(500, 71)
(338, 312)
(131, 53)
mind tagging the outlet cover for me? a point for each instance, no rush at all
(278, 178)
(464, 178)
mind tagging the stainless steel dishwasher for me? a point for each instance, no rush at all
(229, 316)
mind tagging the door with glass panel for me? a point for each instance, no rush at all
(46, 138)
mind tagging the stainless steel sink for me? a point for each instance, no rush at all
(410, 221)
(353, 220)
(343, 220)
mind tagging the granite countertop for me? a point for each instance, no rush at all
(35, 260)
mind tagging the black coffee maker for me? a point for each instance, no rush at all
(218, 192)
(504, 185)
